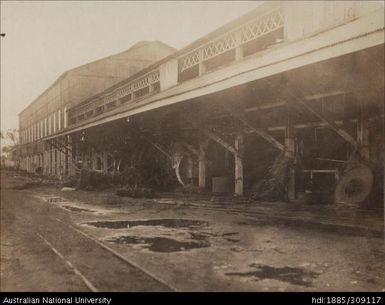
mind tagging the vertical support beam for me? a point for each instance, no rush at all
(290, 153)
(190, 168)
(56, 163)
(202, 165)
(363, 138)
(151, 88)
(65, 167)
(45, 160)
(62, 153)
(50, 161)
(94, 160)
(69, 161)
(105, 162)
(238, 165)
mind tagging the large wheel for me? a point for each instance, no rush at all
(355, 185)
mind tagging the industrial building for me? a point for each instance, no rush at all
(48, 114)
(286, 100)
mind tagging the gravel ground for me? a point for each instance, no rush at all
(182, 243)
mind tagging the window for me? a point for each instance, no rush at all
(126, 98)
(99, 110)
(142, 92)
(111, 105)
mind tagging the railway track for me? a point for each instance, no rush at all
(82, 255)
(132, 277)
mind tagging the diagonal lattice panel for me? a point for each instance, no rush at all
(263, 26)
(247, 32)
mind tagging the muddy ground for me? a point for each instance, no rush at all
(184, 243)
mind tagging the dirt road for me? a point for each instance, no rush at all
(53, 240)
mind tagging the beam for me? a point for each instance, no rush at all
(202, 164)
(281, 103)
(341, 132)
(238, 190)
(290, 152)
(260, 132)
(53, 144)
(105, 162)
(160, 148)
(266, 106)
(219, 140)
(191, 148)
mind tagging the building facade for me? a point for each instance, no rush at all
(303, 80)
(48, 114)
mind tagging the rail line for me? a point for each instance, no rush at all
(119, 256)
(87, 281)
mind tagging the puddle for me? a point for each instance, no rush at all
(295, 276)
(160, 244)
(167, 223)
(76, 209)
(230, 234)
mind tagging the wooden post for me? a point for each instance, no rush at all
(94, 160)
(71, 156)
(290, 153)
(45, 160)
(105, 162)
(55, 158)
(190, 168)
(238, 165)
(363, 135)
(50, 161)
(202, 164)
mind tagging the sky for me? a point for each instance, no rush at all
(46, 38)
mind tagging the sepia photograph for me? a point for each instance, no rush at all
(192, 146)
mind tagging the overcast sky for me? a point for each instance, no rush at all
(44, 39)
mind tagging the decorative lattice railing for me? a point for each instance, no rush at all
(252, 30)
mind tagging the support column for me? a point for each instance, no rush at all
(190, 169)
(94, 160)
(363, 138)
(50, 162)
(56, 159)
(62, 163)
(105, 162)
(45, 161)
(66, 157)
(289, 153)
(238, 165)
(202, 165)
(70, 156)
